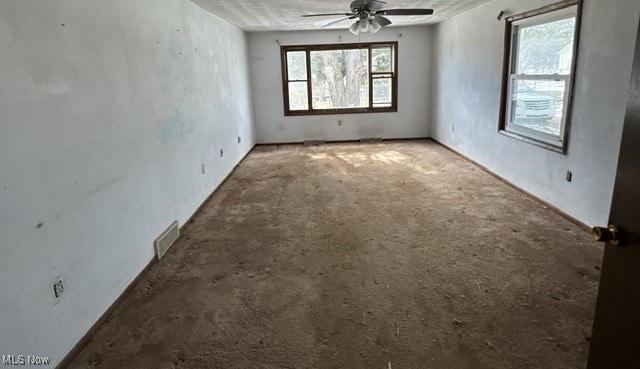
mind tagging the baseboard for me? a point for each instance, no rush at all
(84, 341)
(554, 208)
(355, 140)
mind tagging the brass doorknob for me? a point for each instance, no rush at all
(610, 234)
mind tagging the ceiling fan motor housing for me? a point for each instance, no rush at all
(364, 8)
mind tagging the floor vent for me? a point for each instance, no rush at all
(368, 140)
(166, 239)
(315, 142)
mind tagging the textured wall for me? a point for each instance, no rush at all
(108, 110)
(467, 76)
(414, 83)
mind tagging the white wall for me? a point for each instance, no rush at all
(105, 123)
(467, 71)
(414, 83)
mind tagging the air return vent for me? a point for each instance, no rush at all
(166, 239)
(371, 139)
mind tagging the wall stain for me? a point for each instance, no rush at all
(176, 126)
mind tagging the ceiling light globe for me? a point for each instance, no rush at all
(354, 28)
(364, 25)
(375, 27)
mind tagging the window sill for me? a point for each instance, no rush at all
(341, 111)
(560, 148)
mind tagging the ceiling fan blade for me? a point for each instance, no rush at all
(326, 15)
(338, 21)
(405, 12)
(382, 21)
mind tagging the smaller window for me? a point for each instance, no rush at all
(539, 72)
(297, 80)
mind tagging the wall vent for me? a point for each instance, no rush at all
(371, 140)
(315, 142)
(166, 239)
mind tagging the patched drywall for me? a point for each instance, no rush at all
(414, 86)
(467, 72)
(108, 111)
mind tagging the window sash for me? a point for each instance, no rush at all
(379, 76)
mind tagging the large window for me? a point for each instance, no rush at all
(537, 86)
(343, 78)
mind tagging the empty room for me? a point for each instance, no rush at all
(320, 184)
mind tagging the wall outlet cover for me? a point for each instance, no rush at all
(57, 289)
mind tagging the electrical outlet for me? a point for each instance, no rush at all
(204, 168)
(221, 153)
(239, 139)
(58, 288)
(339, 122)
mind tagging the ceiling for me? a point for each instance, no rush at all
(278, 15)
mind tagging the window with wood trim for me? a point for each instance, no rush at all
(540, 53)
(342, 78)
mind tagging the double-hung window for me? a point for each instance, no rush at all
(539, 72)
(342, 78)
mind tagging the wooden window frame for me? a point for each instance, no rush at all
(371, 75)
(538, 138)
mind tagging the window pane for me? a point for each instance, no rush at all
(538, 105)
(381, 59)
(340, 79)
(382, 92)
(297, 65)
(546, 48)
(298, 96)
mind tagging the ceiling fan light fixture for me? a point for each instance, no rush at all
(355, 28)
(375, 26)
(363, 25)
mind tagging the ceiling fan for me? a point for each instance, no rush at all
(371, 15)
